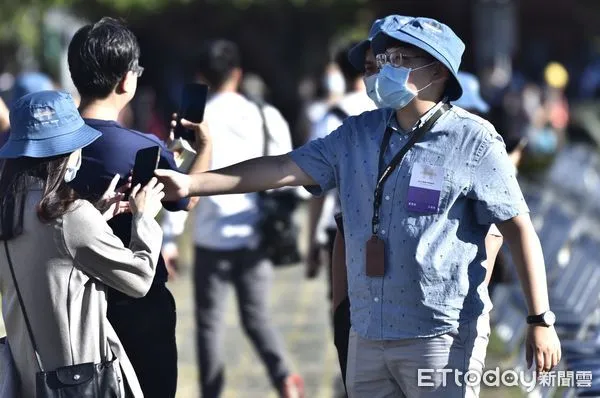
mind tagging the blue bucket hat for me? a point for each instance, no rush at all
(471, 98)
(30, 82)
(431, 36)
(356, 55)
(45, 124)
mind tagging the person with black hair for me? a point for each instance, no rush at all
(104, 64)
(226, 231)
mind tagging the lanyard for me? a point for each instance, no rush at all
(418, 133)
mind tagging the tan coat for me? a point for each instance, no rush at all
(62, 269)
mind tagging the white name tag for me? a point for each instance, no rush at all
(424, 188)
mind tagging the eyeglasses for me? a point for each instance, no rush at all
(395, 58)
(137, 69)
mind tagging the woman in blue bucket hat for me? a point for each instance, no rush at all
(61, 251)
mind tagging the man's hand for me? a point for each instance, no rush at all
(201, 133)
(112, 203)
(177, 185)
(543, 344)
(313, 261)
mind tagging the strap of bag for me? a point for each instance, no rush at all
(338, 112)
(22, 304)
(266, 134)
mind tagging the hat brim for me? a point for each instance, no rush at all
(357, 55)
(49, 147)
(472, 102)
(381, 40)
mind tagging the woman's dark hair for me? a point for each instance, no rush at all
(16, 177)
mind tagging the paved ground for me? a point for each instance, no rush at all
(298, 312)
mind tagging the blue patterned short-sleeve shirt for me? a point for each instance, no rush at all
(434, 263)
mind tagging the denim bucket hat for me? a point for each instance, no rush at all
(431, 36)
(46, 124)
(471, 98)
(356, 55)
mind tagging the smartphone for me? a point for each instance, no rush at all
(146, 161)
(193, 102)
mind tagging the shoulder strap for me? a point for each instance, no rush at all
(22, 305)
(338, 112)
(265, 127)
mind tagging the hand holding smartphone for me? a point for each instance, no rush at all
(193, 102)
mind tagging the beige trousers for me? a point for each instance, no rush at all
(419, 368)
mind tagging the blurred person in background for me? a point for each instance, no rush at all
(360, 68)
(226, 232)
(104, 64)
(30, 82)
(543, 140)
(419, 301)
(319, 95)
(25, 83)
(322, 209)
(62, 251)
(556, 78)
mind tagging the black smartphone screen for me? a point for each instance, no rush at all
(193, 102)
(146, 161)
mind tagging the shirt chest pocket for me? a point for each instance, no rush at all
(428, 189)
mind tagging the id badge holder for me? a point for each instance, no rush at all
(375, 264)
(425, 188)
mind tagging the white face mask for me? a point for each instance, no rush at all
(72, 170)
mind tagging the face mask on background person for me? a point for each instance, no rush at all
(391, 86)
(72, 170)
(335, 83)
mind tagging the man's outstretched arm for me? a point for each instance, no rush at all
(253, 175)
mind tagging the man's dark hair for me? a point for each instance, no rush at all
(216, 60)
(100, 55)
(348, 71)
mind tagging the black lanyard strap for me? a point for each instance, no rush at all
(418, 133)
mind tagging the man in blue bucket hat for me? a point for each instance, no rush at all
(420, 184)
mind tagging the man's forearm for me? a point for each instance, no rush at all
(315, 210)
(253, 175)
(527, 254)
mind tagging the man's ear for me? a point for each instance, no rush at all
(440, 74)
(126, 84)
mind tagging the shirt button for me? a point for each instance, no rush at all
(387, 197)
(376, 299)
(383, 232)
